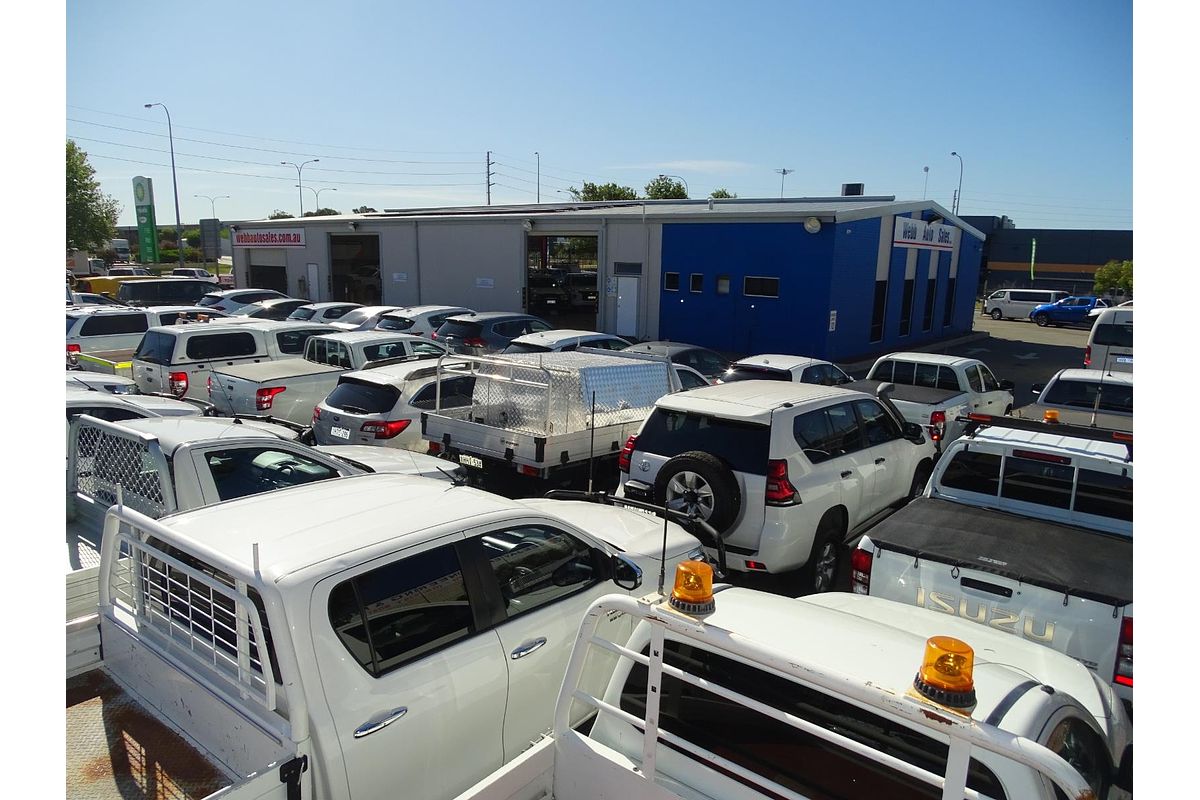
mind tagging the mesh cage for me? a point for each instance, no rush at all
(105, 460)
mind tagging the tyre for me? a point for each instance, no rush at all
(821, 571)
(996, 315)
(920, 478)
(1042, 320)
(699, 483)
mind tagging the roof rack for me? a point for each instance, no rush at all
(976, 421)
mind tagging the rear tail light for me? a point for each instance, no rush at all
(73, 348)
(178, 383)
(208, 385)
(474, 341)
(1123, 675)
(388, 429)
(937, 425)
(860, 571)
(1087, 356)
(435, 448)
(265, 398)
(780, 491)
(433, 335)
(316, 413)
(532, 472)
(626, 454)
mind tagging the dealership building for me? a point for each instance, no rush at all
(839, 278)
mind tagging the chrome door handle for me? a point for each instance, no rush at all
(847, 473)
(880, 460)
(379, 723)
(527, 648)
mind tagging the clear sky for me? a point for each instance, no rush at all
(401, 101)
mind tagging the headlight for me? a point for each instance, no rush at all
(696, 555)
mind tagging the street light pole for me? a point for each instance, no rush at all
(783, 173)
(686, 190)
(213, 201)
(539, 175)
(299, 179)
(317, 192)
(925, 191)
(958, 194)
(174, 181)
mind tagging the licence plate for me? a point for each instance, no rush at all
(470, 461)
(551, 302)
(1124, 359)
(341, 433)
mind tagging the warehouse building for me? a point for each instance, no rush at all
(835, 277)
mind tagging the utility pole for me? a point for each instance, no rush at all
(539, 176)
(490, 174)
(783, 173)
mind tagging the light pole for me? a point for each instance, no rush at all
(213, 201)
(317, 193)
(925, 191)
(174, 182)
(958, 194)
(680, 179)
(299, 179)
(539, 175)
(783, 173)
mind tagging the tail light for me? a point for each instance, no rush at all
(73, 348)
(860, 571)
(937, 425)
(1123, 675)
(208, 385)
(265, 398)
(433, 335)
(1087, 356)
(474, 341)
(626, 454)
(780, 491)
(435, 448)
(316, 414)
(178, 383)
(388, 429)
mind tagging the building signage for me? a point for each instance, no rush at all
(143, 203)
(269, 237)
(913, 233)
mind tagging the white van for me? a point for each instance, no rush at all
(1017, 303)
(1110, 344)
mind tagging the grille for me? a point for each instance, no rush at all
(106, 460)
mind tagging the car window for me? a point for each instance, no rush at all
(461, 329)
(537, 565)
(690, 380)
(1114, 334)
(1082, 748)
(325, 351)
(973, 379)
(425, 349)
(1082, 394)
(394, 324)
(337, 312)
(1033, 481)
(744, 446)
(456, 392)
(293, 342)
(878, 425)
(106, 413)
(973, 472)
(221, 345)
(536, 326)
(156, 347)
(362, 397)
(509, 330)
(990, 384)
(814, 433)
(846, 434)
(744, 372)
(378, 352)
(244, 471)
(403, 611)
(112, 324)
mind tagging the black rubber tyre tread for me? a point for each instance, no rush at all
(727, 497)
(830, 528)
(1042, 320)
(996, 315)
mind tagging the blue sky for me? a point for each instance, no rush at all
(1036, 96)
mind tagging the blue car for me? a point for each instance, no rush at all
(1068, 311)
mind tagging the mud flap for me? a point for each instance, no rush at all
(289, 775)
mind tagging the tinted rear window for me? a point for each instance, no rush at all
(1082, 394)
(1114, 335)
(302, 313)
(293, 342)
(1104, 494)
(973, 472)
(517, 347)
(362, 397)
(742, 445)
(221, 345)
(461, 329)
(736, 373)
(456, 392)
(156, 347)
(209, 300)
(110, 324)
(394, 324)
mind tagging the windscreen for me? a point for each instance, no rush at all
(362, 397)
(738, 373)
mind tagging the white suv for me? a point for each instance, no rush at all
(783, 471)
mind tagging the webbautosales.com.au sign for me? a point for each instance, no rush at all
(269, 237)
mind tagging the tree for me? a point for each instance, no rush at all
(191, 237)
(364, 210)
(608, 191)
(665, 188)
(91, 215)
(1114, 275)
(722, 194)
(277, 214)
(322, 212)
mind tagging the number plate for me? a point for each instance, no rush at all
(551, 302)
(341, 433)
(1124, 359)
(470, 461)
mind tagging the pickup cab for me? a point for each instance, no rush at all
(340, 639)
(291, 389)
(709, 700)
(936, 391)
(1025, 527)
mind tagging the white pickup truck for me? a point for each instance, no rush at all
(723, 705)
(936, 390)
(362, 637)
(290, 388)
(1025, 527)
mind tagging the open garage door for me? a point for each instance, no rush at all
(560, 283)
(267, 269)
(354, 269)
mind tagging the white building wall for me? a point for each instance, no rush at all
(477, 264)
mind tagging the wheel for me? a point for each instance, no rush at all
(699, 483)
(1042, 320)
(920, 478)
(996, 314)
(819, 573)
(1008, 411)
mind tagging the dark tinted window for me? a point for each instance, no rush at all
(761, 287)
(1104, 494)
(948, 308)
(105, 413)
(461, 329)
(111, 324)
(156, 347)
(524, 347)
(814, 434)
(221, 345)
(878, 425)
(303, 313)
(690, 380)
(1033, 481)
(706, 362)
(697, 279)
(209, 300)
(1114, 335)
(671, 281)
(394, 324)
(973, 379)
(800, 761)
(163, 292)
(537, 565)
(337, 312)
(362, 397)
(1082, 394)
(927, 310)
(742, 445)
(877, 311)
(906, 306)
(456, 392)
(973, 472)
(403, 611)
(293, 342)
(745, 373)
(252, 470)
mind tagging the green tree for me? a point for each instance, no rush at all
(722, 194)
(278, 214)
(91, 214)
(322, 212)
(191, 237)
(364, 210)
(665, 188)
(1114, 275)
(608, 191)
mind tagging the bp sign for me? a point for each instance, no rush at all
(143, 203)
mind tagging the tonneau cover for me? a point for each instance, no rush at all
(276, 369)
(1076, 561)
(906, 392)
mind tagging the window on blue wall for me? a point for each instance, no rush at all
(906, 306)
(948, 312)
(877, 312)
(697, 282)
(722, 284)
(930, 297)
(671, 281)
(760, 287)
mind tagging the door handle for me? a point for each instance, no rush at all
(378, 723)
(847, 473)
(880, 460)
(528, 647)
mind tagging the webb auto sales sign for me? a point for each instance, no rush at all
(269, 237)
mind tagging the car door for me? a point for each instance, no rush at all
(545, 578)
(831, 439)
(995, 400)
(414, 680)
(884, 448)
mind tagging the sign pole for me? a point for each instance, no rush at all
(1032, 258)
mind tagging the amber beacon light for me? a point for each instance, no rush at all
(946, 671)
(693, 592)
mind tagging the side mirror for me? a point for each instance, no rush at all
(1007, 386)
(1037, 388)
(625, 573)
(914, 433)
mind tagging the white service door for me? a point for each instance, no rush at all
(627, 305)
(314, 287)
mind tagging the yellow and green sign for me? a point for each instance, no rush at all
(143, 204)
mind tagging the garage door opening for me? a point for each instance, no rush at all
(560, 280)
(354, 269)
